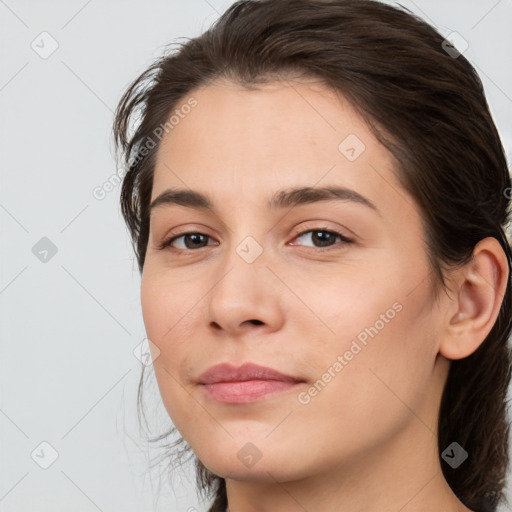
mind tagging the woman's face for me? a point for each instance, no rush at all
(353, 321)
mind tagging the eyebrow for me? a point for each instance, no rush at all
(281, 199)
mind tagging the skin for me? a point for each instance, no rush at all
(368, 440)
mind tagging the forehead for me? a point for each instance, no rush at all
(232, 119)
(247, 142)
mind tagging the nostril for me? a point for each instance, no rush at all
(257, 322)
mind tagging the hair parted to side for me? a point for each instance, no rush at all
(427, 108)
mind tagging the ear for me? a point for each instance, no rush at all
(478, 290)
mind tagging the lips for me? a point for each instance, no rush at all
(248, 383)
(226, 372)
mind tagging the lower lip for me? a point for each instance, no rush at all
(246, 391)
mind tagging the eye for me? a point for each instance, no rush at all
(323, 237)
(193, 240)
(196, 240)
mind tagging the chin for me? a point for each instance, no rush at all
(259, 473)
(243, 461)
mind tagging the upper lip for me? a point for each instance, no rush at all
(227, 372)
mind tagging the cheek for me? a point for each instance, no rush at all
(381, 343)
(345, 305)
(168, 317)
(165, 318)
(153, 305)
(166, 306)
(378, 383)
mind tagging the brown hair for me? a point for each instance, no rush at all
(427, 106)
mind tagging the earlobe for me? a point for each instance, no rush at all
(478, 291)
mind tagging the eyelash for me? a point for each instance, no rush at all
(345, 241)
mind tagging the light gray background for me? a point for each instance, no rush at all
(69, 325)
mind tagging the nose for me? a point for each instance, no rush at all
(247, 297)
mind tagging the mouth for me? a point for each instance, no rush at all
(247, 383)
(246, 391)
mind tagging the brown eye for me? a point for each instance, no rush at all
(192, 240)
(323, 238)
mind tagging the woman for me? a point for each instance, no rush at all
(317, 197)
